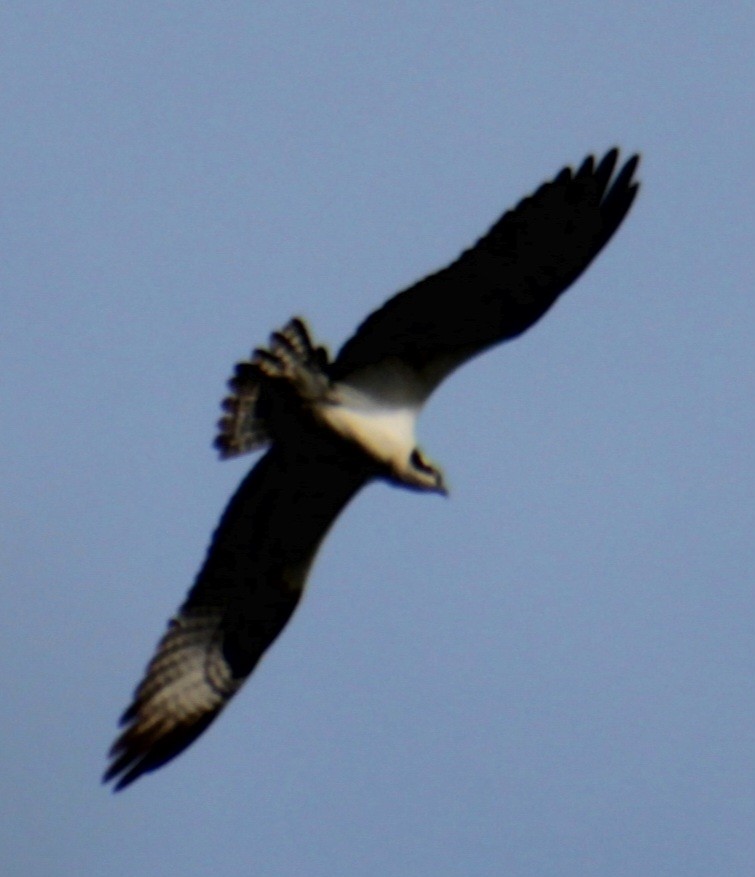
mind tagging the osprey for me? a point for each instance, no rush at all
(331, 426)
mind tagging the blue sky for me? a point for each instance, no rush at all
(549, 673)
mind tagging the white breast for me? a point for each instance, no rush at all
(385, 432)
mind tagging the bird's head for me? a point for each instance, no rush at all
(421, 474)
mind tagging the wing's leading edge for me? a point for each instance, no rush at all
(497, 288)
(248, 588)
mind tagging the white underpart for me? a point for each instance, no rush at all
(385, 431)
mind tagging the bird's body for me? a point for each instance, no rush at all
(387, 434)
(333, 426)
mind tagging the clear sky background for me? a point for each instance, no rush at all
(551, 672)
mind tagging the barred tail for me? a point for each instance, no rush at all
(291, 357)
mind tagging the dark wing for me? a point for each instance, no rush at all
(499, 287)
(248, 588)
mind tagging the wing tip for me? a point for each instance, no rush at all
(141, 749)
(625, 177)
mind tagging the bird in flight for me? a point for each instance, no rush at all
(333, 425)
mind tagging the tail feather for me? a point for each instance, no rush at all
(291, 357)
(240, 429)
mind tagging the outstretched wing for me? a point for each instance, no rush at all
(496, 289)
(250, 584)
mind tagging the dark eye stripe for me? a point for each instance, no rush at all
(419, 462)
